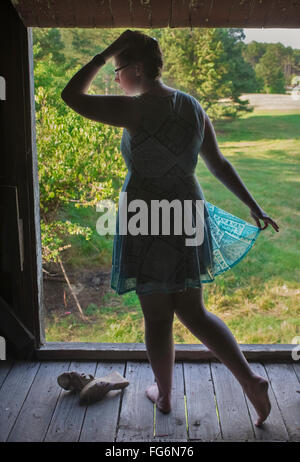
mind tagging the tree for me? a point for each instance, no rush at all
(208, 63)
(48, 41)
(259, 55)
(269, 70)
(193, 61)
(253, 51)
(239, 72)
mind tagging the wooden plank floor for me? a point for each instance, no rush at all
(208, 404)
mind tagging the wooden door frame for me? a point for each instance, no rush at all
(27, 185)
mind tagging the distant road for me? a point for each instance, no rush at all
(271, 101)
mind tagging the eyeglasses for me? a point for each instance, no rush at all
(122, 67)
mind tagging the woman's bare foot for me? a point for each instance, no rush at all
(163, 404)
(257, 392)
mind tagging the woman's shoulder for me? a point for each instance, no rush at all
(191, 99)
(192, 102)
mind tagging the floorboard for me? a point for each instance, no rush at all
(208, 404)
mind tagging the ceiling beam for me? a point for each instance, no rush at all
(159, 13)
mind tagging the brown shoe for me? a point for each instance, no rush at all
(97, 388)
(74, 381)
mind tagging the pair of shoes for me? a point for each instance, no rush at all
(91, 389)
(73, 381)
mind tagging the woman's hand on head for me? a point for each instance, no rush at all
(120, 44)
(127, 33)
(126, 37)
(261, 215)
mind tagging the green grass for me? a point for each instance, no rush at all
(259, 298)
(95, 251)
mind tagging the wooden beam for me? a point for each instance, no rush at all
(137, 351)
(158, 13)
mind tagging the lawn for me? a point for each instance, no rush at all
(259, 299)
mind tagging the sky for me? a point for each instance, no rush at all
(288, 37)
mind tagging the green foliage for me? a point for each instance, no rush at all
(254, 51)
(269, 71)
(48, 42)
(275, 65)
(208, 64)
(53, 234)
(91, 309)
(239, 72)
(79, 159)
(193, 61)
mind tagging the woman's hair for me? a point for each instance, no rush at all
(146, 49)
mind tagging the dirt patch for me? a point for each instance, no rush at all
(89, 285)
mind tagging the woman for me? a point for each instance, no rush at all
(164, 130)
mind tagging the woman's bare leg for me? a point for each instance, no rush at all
(158, 313)
(214, 333)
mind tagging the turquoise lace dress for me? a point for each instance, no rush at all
(161, 159)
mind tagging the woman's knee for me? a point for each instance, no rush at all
(189, 304)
